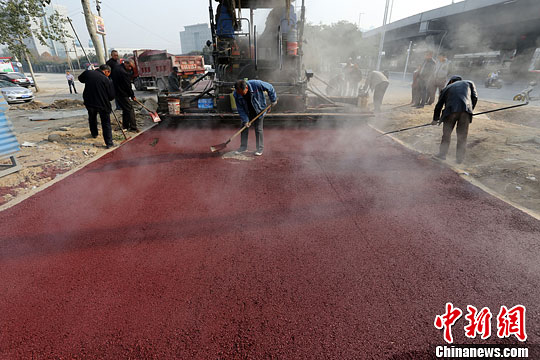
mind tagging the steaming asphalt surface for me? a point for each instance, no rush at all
(332, 245)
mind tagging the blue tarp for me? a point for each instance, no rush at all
(8, 141)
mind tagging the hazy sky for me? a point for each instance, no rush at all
(156, 24)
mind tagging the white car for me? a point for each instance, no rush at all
(15, 93)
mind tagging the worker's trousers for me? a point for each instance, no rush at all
(462, 119)
(128, 114)
(105, 124)
(378, 95)
(259, 141)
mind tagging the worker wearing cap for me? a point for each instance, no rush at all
(250, 101)
(174, 81)
(459, 99)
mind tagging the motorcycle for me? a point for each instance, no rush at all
(493, 83)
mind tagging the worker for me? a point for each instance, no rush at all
(356, 77)
(121, 77)
(208, 51)
(415, 87)
(440, 76)
(225, 19)
(174, 81)
(71, 82)
(97, 95)
(113, 61)
(459, 99)
(424, 77)
(250, 101)
(378, 83)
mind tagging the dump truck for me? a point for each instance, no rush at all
(273, 55)
(152, 67)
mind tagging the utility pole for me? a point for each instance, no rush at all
(383, 31)
(98, 7)
(359, 18)
(91, 26)
(67, 55)
(76, 55)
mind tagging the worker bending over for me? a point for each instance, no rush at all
(459, 98)
(250, 101)
(378, 83)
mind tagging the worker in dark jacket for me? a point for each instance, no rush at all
(98, 94)
(425, 77)
(250, 101)
(113, 61)
(121, 77)
(174, 81)
(459, 99)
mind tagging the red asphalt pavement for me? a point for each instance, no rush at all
(333, 245)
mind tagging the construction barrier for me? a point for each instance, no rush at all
(8, 142)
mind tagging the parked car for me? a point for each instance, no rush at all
(14, 93)
(16, 78)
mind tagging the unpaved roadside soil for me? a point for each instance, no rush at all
(53, 147)
(503, 149)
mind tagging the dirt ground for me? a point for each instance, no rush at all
(503, 149)
(55, 146)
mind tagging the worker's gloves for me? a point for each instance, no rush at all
(274, 103)
(435, 122)
(246, 124)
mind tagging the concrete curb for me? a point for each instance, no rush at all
(476, 183)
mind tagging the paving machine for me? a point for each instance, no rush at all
(274, 55)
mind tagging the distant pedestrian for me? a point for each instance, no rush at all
(459, 99)
(174, 80)
(121, 77)
(97, 95)
(113, 61)
(71, 82)
(250, 101)
(378, 83)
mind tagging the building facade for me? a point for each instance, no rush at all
(194, 37)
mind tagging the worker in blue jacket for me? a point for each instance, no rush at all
(250, 101)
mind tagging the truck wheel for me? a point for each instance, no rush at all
(161, 85)
(138, 84)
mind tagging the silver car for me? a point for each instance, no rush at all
(15, 93)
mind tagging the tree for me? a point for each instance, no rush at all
(22, 19)
(91, 25)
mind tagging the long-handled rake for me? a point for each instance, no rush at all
(222, 146)
(523, 96)
(153, 114)
(120, 126)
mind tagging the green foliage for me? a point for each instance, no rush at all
(20, 18)
(328, 45)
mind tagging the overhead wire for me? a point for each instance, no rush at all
(139, 25)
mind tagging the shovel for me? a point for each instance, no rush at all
(153, 114)
(224, 145)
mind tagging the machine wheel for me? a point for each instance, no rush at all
(161, 85)
(138, 84)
